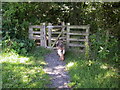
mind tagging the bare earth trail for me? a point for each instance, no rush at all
(56, 69)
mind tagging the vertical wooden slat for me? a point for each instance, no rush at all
(41, 35)
(44, 36)
(87, 32)
(63, 30)
(49, 34)
(30, 32)
(86, 43)
(68, 36)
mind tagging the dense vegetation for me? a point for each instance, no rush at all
(104, 20)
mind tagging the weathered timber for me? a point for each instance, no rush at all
(76, 45)
(74, 39)
(44, 36)
(78, 33)
(55, 38)
(57, 26)
(68, 36)
(36, 32)
(58, 32)
(78, 27)
(49, 34)
(36, 26)
(30, 32)
(63, 30)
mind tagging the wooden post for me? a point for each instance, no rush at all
(30, 32)
(44, 36)
(68, 36)
(86, 43)
(63, 30)
(49, 34)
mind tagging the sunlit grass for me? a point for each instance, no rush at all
(90, 73)
(13, 57)
(26, 71)
(70, 64)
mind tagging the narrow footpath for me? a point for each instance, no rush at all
(57, 71)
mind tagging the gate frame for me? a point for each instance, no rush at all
(43, 34)
(50, 27)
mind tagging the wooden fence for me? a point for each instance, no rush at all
(72, 35)
(39, 36)
(77, 36)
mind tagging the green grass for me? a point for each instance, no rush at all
(24, 71)
(90, 73)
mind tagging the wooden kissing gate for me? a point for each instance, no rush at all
(74, 36)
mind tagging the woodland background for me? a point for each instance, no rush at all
(104, 20)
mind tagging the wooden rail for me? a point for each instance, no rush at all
(73, 39)
(76, 45)
(78, 33)
(36, 32)
(69, 33)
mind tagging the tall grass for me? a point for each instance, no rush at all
(24, 71)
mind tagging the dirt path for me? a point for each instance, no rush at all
(56, 69)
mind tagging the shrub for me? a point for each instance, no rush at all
(102, 49)
(20, 46)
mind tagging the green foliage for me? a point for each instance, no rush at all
(20, 46)
(98, 44)
(24, 71)
(102, 17)
(17, 16)
(104, 48)
(90, 73)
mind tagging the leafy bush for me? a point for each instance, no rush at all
(20, 46)
(103, 48)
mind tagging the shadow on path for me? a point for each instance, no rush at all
(56, 69)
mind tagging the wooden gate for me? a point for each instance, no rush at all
(77, 36)
(38, 33)
(54, 33)
(74, 36)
